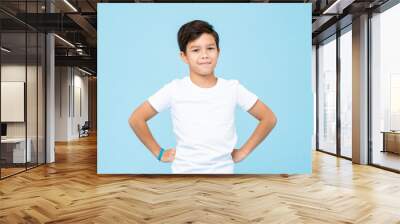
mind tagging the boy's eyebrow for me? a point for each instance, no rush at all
(199, 46)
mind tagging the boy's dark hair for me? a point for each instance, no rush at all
(192, 30)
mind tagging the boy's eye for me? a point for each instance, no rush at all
(211, 48)
(195, 50)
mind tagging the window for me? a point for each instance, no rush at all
(327, 95)
(346, 93)
(385, 88)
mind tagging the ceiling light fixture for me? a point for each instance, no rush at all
(64, 40)
(5, 49)
(331, 7)
(86, 72)
(337, 7)
(71, 6)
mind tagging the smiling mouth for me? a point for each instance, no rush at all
(208, 63)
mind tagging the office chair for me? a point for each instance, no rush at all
(84, 130)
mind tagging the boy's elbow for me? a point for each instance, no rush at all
(272, 120)
(133, 120)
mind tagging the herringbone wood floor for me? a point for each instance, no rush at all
(70, 191)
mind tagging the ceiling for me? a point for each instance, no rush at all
(76, 22)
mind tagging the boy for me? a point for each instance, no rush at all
(202, 110)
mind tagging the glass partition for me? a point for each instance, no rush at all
(22, 77)
(14, 153)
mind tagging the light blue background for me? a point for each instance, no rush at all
(267, 47)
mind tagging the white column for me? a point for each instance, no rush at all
(50, 110)
(50, 103)
(360, 90)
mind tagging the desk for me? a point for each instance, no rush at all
(391, 141)
(16, 147)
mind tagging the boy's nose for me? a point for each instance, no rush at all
(204, 55)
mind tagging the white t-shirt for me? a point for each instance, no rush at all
(203, 122)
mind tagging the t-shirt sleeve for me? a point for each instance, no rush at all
(244, 98)
(161, 100)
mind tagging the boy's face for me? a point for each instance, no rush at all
(201, 55)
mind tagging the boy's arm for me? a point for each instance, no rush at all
(267, 121)
(138, 122)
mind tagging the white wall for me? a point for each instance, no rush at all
(71, 87)
(17, 73)
(10, 73)
(62, 81)
(81, 84)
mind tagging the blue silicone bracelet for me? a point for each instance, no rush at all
(161, 154)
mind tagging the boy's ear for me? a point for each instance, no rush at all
(183, 56)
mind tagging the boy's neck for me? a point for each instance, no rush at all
(203, 81)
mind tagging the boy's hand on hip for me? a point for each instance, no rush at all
(169, 155)
(238, 155)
